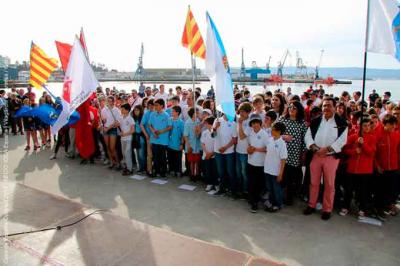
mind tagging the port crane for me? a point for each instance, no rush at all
(139, 73)
(267, 66)
(242, 68)
(300, 66)
(281, 63)
(319, 64)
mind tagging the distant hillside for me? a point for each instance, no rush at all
(346, 72)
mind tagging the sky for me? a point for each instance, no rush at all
(114, 30)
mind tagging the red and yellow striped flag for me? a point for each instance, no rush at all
(191, 37)
(41, 66)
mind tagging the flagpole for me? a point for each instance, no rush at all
(48, 91)
(193, 83)
(365, 67)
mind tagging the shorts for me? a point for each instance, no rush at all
(194, 157)
(112, 132)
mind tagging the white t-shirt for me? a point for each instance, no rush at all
(276, 151)
(257, 140)
(137, 101)
(108, 117)
(207, 139)
(225, 133)
(126, 123)
(163, 96)
(242, 144)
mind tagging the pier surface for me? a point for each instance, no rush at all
(150, 224)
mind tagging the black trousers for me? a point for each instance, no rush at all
(292, 178)
(96, 139)
(256, 179)
(384, 189)
(358, 184)
(210, 172)
(159, 159)
(174, 160)
(63, 135)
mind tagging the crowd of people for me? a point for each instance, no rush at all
(281, 147)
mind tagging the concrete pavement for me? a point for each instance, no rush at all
(287, 237)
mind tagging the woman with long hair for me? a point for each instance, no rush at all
(110, 116)
(296, 129)
(278, 104)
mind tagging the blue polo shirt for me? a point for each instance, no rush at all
(145, 121)
(176, 134)
(138, 129)
(160, 121)
(189, 132)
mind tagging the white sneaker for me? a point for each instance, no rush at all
(53, 157)
(209, 188)
(268, 204)
(106, 161)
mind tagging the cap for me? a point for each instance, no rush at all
(255, 117)
(208, 111)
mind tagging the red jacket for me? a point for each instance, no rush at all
(362, 163)
(387, 150)
(95, 121)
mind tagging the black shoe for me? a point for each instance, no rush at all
(254, 209)
(325, 216)
(220, 192)
(308, 210)
(234, 196)
(84, 161)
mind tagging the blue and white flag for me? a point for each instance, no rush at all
(384, 27)
(217, 69)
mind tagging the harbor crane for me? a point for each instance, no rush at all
(319, 64)
(242, 68)
(300, 66)
(281, 63)
(267, 66)
(139, 73)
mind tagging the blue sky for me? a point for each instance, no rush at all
(115, 29)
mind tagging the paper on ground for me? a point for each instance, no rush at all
(368, 220)
(159, 181)
(138, 177)
(187, 187)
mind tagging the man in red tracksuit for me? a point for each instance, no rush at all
(361, 154)
(386, 163)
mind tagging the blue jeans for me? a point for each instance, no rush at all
(241, 172)
(141, 154)
(226, 171)
(276, 191)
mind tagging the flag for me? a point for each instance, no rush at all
(191, 37)
(79, 83)
(84, 140)
(217, 69)
(64, 51)
(83, 42)
(24, 111)
(41, 66)
(384, 27)
(48, 114)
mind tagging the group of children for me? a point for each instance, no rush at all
(247, 156)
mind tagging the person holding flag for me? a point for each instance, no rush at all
(217, 69)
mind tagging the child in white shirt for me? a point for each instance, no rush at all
(127, 126)
(274, 165)
(207, 144)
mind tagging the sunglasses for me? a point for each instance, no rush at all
(292, 107)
